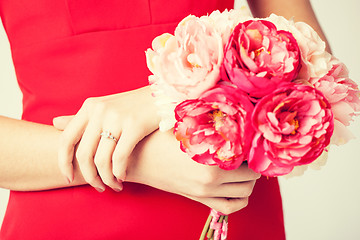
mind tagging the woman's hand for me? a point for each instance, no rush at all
(103, 134)
(161, 164)
(158, 163)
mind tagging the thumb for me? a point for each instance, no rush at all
(61, 122)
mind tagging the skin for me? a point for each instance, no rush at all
(39, 157)
(156, 161)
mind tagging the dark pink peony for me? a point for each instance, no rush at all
(259, 58)
(293, 126)
(216, 128)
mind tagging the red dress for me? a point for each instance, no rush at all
(65, 51)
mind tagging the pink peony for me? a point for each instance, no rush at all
(216, 128)
(188, 63)
(258, 58)
(315, 61)
(293, 126)
(343, 96)
(225, 22)
(341, 92)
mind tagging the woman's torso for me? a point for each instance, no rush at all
(66, 51)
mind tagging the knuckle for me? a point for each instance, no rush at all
(89, 102)
(256, 176)
(133, 123)
(118, 158)
(242, 204)
(245, 202)
(253, 175)
(91, 179)
(96, 105)
(82, 156)
(100, 163)
(209, 178)
(119, 172)
(249, 173)
(227, 208)
(115, 115)
(247, 191)
(201, 191)
(110, 113)
(66, 140)
(100, 107)
(205, 183)
(108, 180)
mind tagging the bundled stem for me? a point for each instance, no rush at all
(214, 218)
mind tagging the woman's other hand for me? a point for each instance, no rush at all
(163, 165)
(103, 134)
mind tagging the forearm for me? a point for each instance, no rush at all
(28, 162)
(29, 152)
(301, 10)
(28, 159)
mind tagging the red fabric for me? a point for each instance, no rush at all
(66, 51)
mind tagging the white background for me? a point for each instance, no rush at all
(322, 204)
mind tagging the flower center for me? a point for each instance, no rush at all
(194, 60)
(295, 123)
(217, 118)
(258, 51)
(286, 115)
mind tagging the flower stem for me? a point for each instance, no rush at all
(206, 228)
(210, 234)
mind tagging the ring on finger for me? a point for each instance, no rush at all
(108, 135)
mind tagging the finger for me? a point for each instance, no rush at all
(124, 148)
(68, 141)
(234, 190)
(61, 122)
(223, 205)
(103, 162)
(85, 154)
(241, 174)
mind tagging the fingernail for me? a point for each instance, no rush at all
(99, 189)
(119, 180)
(117, 189)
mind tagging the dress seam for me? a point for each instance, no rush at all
(70, 19)
(150, 12)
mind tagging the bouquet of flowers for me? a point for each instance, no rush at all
(236, 88)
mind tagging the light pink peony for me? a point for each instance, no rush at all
(259, 58)
(343, 96)
(225, 22)
(216, 128)
(341, 92)
(188, 63)
(293, 126)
